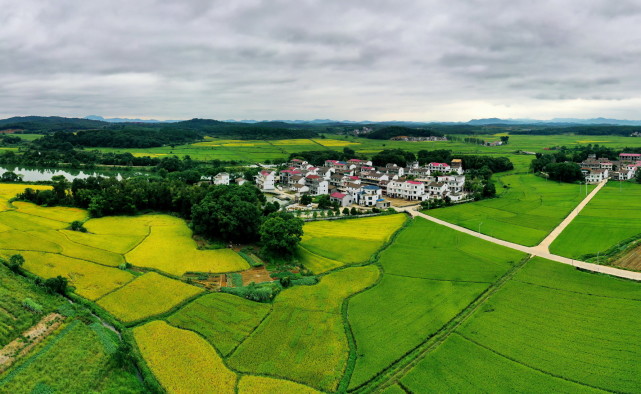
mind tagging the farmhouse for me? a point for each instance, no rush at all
(343, 199)
(266, 180)
(221, 179)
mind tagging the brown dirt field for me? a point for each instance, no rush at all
(36, 334)
(630, 260)
(257, 275)
(212, 283)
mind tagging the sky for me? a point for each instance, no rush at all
(423, 60)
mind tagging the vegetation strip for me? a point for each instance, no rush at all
(404, 364)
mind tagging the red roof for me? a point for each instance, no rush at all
(440, 164)
(414, 182)
(296, 160)
(312, 177)
(355, 160)
(353, 177)
(367, 168)
(338, 195)
(265, 172)
(631, 154)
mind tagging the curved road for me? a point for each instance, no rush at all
(540, 250)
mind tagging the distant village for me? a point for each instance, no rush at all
(358, 182)
(596, 170)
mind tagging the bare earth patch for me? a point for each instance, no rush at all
(34, 335)
(630, 260)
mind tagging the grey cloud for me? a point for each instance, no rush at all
(281, 59)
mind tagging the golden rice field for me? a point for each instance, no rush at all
(346, 241)
(25, 222)
(9, 190)
(263, 385)
(334, 143)
(91, 280)
(61, 214)
(147, 295)
(182, 361)
(170, 248)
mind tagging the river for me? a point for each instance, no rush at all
(31, 174)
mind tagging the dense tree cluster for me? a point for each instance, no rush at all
(227, 212)
(386, 133)
(120, 137)
(558, 167)
(399, 157)
(318, 157)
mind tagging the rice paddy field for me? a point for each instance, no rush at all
(73, 360)
(14, 317)
(264, 385)
(611, 217)
(431, 273)
(223, 319)
(148, 295)
(343, 242)
(314, 350)
(261, 150)
(182, 361)
(525, 212)
(169, 247)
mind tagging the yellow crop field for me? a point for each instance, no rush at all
(182, 361)
(147, 295)
(263, 385)
(68, 248)
(171, 249)
(61, 214)
(90, 280)
(22, 240)
(121, 225)
(293, 142)
(317, 264)
(24, 222)
(110, 242)
(143, 154)
(348, 241)
(330, 143)
(9, 190)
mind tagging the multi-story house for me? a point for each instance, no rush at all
(266, 180)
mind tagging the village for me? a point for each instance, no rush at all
(597, 170)
(356, 182)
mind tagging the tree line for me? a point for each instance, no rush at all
(225, 212)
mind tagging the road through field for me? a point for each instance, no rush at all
(545, 244)
(536, 251)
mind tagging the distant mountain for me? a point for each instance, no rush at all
(128, 120)
(555, 121)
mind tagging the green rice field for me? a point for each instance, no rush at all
(612, 216)
(528, 208)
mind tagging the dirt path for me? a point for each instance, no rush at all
(18, 347)
(536, 251)
(545, 244)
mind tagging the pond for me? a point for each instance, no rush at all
(45, 174)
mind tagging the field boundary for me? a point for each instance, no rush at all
(392, 373)
(529, 366)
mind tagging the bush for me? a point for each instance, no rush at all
(253, 292)
(32, 305)
(236, 279)
(77, 226)
(305, 281)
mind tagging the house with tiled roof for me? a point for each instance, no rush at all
(406, 189)
(266, 180)
(343, 199)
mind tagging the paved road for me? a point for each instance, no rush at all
(544, 246)
(535, 251)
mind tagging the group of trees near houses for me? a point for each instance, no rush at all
(224, 212)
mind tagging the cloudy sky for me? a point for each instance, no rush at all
(419, 60)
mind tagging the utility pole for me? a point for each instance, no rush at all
(480, 227)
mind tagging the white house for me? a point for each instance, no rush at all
(221, 179)
(408, 190)
(265, 180)
(343, 199)
(443, 168)
(595, 176)
(317, 185)
(369, 195)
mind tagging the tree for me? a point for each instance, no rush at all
(56, 285)
(280, 234)
(229, 212)
(324, 202)
(638, 176)
(345, 211)
(489, 190)
(505, 139)
(306, 199)
(10, 176)
(15, 262)
(76, 225)
(353, 211)
(564, 172)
